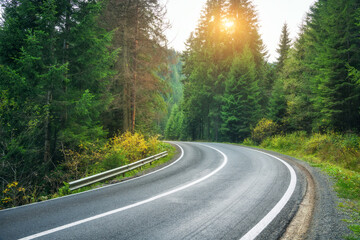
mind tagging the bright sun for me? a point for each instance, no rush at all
(227, 23)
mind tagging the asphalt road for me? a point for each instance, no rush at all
(212, 191)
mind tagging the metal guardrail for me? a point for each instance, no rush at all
(114, 172)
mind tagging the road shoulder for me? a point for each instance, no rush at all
(326, 219)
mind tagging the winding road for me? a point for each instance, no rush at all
(211, 191)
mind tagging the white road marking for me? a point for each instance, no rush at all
(225, 160)
(99, 188)
(260, 226)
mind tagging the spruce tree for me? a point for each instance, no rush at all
(56, 56)
(138, 27)
(211, 52)
(277, 101)
(284, 47)
(333, 32)
(241, 107)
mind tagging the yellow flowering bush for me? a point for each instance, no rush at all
(263, 129)
(13, 195)
(134, 146)
(154, 145)
(120, 150)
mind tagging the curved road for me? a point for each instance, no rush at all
(212, 191)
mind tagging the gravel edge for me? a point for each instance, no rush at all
(326, 223)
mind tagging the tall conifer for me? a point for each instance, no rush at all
(284, 47)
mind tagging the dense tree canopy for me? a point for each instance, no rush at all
(73, 73)
(224, 69)
(77, 72)
(313, 85)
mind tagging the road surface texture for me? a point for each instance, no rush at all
(211, 191)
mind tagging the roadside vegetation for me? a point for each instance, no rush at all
(305, 104)
(336, 154)
(74, 77)
(89, 159)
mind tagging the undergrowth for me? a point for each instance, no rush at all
(88, 159)
(63, 191)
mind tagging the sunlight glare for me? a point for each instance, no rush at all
(227, 23)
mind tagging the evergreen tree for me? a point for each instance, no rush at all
(174, 127)
(137, 88)
(333, 32)
(277, 101)
(211, 51)
(284, 47)
(54, 69)
(241, 108)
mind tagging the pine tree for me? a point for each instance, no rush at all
(211, 51)
(284, 47)
(138, 28)
(174, 125)
(48, 94)
(241, 108)
(277, 101)
(333, 32)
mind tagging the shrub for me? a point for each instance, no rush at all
(13, 195)
(154, 145)
(134, 145)
(113, 160)
(122, 149)
(316, 142)
(248, 142)
(264, 128)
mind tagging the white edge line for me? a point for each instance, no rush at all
(99, 188)
(225, 160)
(260, 226)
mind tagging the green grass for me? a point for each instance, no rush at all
(335, 154)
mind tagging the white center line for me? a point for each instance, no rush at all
(225, 160)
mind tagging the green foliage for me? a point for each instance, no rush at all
(142, 79)
(264, 128)
(173, 130)
(354, 74)
(51, 54)
(85, 125)
(277, 102)
(224, 71)
(174, 97)
(339, 149)
(112, 160)
(248, 142)
(316, 87)
(240, 108)
(122, 149)
(338, 155)
(332, 32)
(284, 47)
(65, 190)
(13, 195)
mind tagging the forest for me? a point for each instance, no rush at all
(80, 79)
(229, 86)
(76, 78)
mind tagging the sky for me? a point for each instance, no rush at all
(183, 15)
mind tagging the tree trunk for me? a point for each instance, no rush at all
(47, 130)
(136, 43)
